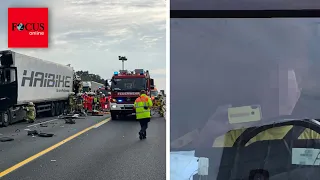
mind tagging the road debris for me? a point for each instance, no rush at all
(6, 139)
(96, 113)
(43, 125)
(45, 134)
(32, 132)
(70, 121)
(73, 116)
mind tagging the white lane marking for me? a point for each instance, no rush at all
(42, 122)
(98, 125)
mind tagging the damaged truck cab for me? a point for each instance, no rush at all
(25, 79)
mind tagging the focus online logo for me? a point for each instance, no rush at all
(34, 29)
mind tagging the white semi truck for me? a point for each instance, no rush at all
(26, 79)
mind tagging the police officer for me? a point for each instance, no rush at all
(143, 112)
(31, 112)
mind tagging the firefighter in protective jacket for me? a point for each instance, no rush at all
(71, 102)
(31, 112)
(142, 107)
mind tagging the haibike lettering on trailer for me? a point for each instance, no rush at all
(34, 29)
(41, 79)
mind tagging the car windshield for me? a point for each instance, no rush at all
(104, 91)
(86, 89)
(6, 75)
(130, 84)
(249, 73)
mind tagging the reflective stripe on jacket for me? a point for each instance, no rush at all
(140, 103)
(71, 100)
(274, 133)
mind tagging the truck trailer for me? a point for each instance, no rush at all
(91, 86)
(25, 79)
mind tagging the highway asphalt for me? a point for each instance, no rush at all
(108, 150)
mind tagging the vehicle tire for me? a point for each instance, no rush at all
(61, 108)
(53, 109)
(113, 115)
(5, 118)
(37, 113)
(57, 108)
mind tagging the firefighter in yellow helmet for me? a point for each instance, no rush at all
(31, 112)
(142, 107)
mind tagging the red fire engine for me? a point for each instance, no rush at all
(125, 88)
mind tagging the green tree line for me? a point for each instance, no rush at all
(86, 76)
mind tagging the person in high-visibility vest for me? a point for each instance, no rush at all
(142, 107)
(95, 102)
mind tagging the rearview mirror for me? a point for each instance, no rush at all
(106, 83)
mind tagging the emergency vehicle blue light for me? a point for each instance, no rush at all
(120, 100)
(116, 73)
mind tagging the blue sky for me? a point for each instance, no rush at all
(91, 34)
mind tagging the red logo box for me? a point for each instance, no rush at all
(28, 28)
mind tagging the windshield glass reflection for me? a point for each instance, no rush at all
(248, 74)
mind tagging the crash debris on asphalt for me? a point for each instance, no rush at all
(6, 139)
(40, 134)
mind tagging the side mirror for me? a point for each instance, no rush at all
(6, 59)
(151, 83)
(106, 83)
